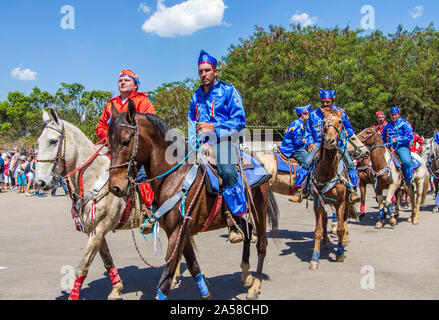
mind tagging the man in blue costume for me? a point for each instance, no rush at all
(314, 133)
(218, 112)
(399, 133)
(293, 146)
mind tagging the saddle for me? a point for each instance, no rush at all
(415, 163)
(254, 172)
(285, 164)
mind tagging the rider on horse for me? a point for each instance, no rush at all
(399, 134)
(381, 121)
(218, 112)
(128, 85)
(416, 143)
(314, 132)
(293, 146)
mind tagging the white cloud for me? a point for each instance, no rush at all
(417, 12)
(144, 8)
(185, 18)
(303, 18)
(24, 74)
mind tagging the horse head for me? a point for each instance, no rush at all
(427, 149)
(370, 137)
(357, 148)
(51, 151)
(332, 128)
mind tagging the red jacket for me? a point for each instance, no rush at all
(140, 99)
(416, 144)
(380, 127)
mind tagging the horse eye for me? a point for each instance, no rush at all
(126, 143)
(339, 121)
(53, 142)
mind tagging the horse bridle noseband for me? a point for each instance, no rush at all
(131, 164)
(60, 155)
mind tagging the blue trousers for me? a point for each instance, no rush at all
(63, 185)
(406, 162)
(304, 157)
(226, 157)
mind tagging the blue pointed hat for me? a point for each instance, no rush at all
(207, 58)
(330, 94)
(394, 110)
(300, 110)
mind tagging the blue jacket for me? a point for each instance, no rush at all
(401, 130)
(436, 136)
(314, 127)
(294, 138)
(222, 106)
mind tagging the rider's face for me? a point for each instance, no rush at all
(381, 118)
(327, 104)
(394, 116)
(127, 85)
(305, 116)
(207, 74)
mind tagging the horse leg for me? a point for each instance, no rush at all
(416, 204)
(93, 245)
(116, 293)
(246, 277)
(325, 242)
(363, 200)
(342, 215)
(319, 212)
(334, 223)
(165, 283)
(388, 205)
(177, 276)
(194, 269)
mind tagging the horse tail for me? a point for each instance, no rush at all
(273, 214)
(425, 187)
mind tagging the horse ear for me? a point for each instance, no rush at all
(340, 113)
(114, 110)
(54, 115)
(46, 117)
(131, 114)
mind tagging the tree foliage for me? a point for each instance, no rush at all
(276, 70)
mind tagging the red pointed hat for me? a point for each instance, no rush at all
(130, 74)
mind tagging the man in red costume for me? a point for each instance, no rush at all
(381, 121)
(128, 88)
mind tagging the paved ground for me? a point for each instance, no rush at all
(39, 244)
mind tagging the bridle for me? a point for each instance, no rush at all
(370, 136)
(60, 155)
(326, 126)
(132, 163)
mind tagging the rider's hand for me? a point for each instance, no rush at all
(394, 140)
(203, 127)
(311, 147)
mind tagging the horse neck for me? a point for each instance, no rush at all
(79, 149)
(155, 163)
(327, 166)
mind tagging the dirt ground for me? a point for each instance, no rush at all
(39, 247)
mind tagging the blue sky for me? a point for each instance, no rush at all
(158, 39)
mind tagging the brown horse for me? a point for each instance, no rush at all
(138, 139)
(329, 182)
(377, 174)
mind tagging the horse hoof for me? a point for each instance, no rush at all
(252, 295)
(176, 283)
(248, 281)
(208, 297)
(393, 222)
(313, 265)
(379, 225)
(415, 222)
(340, 258)
(116, 293)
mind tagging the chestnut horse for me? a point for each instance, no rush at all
(146, 139)
(330, 188)
(389, 177)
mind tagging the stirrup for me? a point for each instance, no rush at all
(297, 197)
(235, 236)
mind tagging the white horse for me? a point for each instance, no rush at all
(62, 148)
(421, 179)
(430, 150)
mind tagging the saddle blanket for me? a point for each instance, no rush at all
(256, 175)
(283, 166)
(415, 163)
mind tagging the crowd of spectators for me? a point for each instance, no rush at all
(17, 173)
